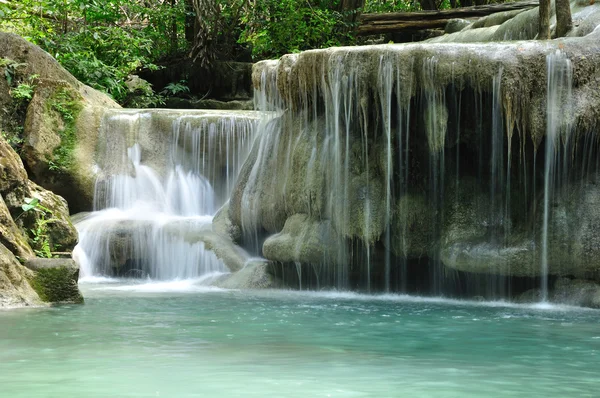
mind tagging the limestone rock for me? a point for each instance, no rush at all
(46, 124)
(576, 292)
(55, 279)
(222, 224)
(52, 208)
(15, 290)
(412, 227)
(456, 25)
(304, 240)
(255, 275)
(12, 172)
(11, 236)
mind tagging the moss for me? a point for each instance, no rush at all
(66, 103)
(56, 285)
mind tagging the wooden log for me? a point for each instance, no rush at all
(399, 21)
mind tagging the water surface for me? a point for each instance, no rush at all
(180, 339)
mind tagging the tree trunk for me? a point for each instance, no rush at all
(544, 22)
(564, 22)
(190, 22)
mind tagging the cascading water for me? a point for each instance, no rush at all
(413, 168)
(161, 177)
(558, 131)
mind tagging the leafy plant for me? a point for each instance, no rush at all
(23, 92)
(176, 88)
(12, 138)
(101, 41)
(39, 233)
(10, 69)
(275, 27)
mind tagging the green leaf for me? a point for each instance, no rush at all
(30, 204)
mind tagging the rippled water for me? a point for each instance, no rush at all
(183, 340)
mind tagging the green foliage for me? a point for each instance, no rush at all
(10, 69)
(67, 104)
(277, 27)
(21, 90)
(143, 96)
(39, 239)
(173, 89)
(99, 41)
(12, 138)
(391, 6)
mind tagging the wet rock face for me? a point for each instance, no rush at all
(304, 240)
(431, 151)
(576, 292)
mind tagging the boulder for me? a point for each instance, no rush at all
(15, 290)
(254, 275)
(52, 213)
(305, 241)
(55, 279)
(223, 226)
(291, 170)
(61, 123)
(12, 172)
(11, 236)
(576, 292)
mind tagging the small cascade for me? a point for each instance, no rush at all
(558, 132)
(161, 177)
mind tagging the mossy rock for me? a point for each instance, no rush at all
(61, 124)
(55, 280)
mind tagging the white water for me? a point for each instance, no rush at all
(162, 176)
(559, 82)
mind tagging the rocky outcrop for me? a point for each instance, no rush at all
(33, 221)
(468, 241)
(11, 236)
(55, 280)
(577, 292)
(446, 156)
(51, 214)
(61, 123)
(15, 290)
(255, 275)
(305, 241)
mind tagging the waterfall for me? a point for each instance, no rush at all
(558, 129)
(417, 168)
(161, 176)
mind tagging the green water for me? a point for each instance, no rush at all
(179, 340)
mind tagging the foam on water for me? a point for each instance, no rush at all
(195, 285)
